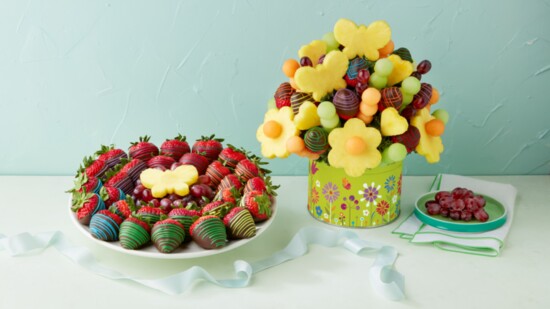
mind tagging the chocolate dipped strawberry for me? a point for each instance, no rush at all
(143, 150)
(175, 147)
(208, 146)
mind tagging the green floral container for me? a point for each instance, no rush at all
(370, 200)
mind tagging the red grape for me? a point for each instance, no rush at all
(417, 75)
(480, 200)
(321, 59)
(481, 215)
(154, 203)
(363, 76)
(441, 194)
(175, 165)
(424, 67)
(465, 215)
(146, 195)
(433, 207)
(455, 215)
(201, 190)
(166, 205)
(471, 204)
(306, 62)
(457, 205)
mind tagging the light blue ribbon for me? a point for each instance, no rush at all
(384, 279)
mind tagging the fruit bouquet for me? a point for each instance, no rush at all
(170, 195)
(355, 102)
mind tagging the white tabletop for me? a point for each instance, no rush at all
(323, 278)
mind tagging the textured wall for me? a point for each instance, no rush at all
(77, 74)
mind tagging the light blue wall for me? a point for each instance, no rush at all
(77, 74)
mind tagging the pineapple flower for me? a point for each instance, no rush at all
(430, 146)
(354, 147)
(277, 128)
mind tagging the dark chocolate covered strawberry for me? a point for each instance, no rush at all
(208, 146)
(175, 147)
(143, 150)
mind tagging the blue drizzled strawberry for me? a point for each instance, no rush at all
(208, 146)
(105, 225)
(86, 205)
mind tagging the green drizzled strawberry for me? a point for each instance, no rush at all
(134, 233)
(149, 214)
(209, 232)
(186, 217)
(217, 208)
(167, 235)
(239, 223)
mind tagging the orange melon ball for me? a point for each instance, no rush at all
(387, 49)
(371, 96)
(272, 129)
(366, 119)
(435, 96)
(435, 127)
(355, 145)
(295, 145)
(290, 66)
(367, 109)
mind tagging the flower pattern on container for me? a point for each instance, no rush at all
(370, 194)
(390, 183)
(314, 195)
(382, 207)
(331, 192)
(346, 184)
(314, 168)
(318, 210)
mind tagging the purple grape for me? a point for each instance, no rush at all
(433, 208)
(417, 75)
(455, 215)
(466, 215)
(481, 215)
(457, 205)
(306, 62)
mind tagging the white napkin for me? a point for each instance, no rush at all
(485, 243)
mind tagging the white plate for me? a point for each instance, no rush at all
(186, 251)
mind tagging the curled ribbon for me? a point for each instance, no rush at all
(383, 277)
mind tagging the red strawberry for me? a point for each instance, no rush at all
(175, 147)
(123, 208)
(110, 155)
(149, 214)
(283, 94)
(230, 156)
(86, 205)
(143, 149)
(216, 171)
(240, 223)
(105, 225)
(134, 233)
(122, 181)
(261, 184)
(111, 195)
(247, 169)
(230, 195)
(93, 168)
(84, 184)
(259, 205)
(195, 159)
(133, 168)
(162, 162)
(230, 181)
(208, 146)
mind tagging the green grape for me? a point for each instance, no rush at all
(332, 44)
(411, 85)
(383, 67)
(326, 110)
(394, 153)
(271, 104)
(407, 98)
(330, 123)
(377, 81)
(442, 115)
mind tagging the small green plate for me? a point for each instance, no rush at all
(495, 210)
